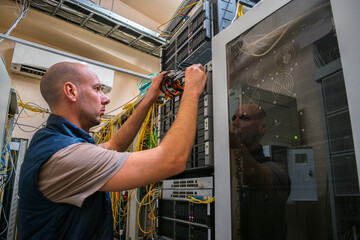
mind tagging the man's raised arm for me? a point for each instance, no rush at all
(170, 157)
(126, 134)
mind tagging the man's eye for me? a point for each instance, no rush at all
(244, 117)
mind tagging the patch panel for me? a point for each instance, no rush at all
(182, 194)
(204, 182)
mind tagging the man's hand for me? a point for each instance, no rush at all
(154, 89)
(195, 79)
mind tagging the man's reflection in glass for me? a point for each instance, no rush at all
(265, 185)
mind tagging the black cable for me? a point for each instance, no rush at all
(17, 118)
(36, 128)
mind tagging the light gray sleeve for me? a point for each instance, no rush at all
(77, 171)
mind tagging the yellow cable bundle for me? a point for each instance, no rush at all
(37, 109)
(240, 11)
(143, 131)
(105, 134)
(151, 216)
(107, 131)
(115, 204)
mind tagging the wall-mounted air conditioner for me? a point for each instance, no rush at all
(33, 62)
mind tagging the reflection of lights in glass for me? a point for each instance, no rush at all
(283, 86)
(254, 74)
(284, 57)
(295, 137)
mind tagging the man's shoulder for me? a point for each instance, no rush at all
(46, 141)
(48, 136)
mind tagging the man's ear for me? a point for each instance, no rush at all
(71, 91)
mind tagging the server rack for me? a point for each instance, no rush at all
(192, 41)
(342, 147)
(191, 44)
(178, 217)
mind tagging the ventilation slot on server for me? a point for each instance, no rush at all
(345, 175)
(334, 93)
(182, 211)
(348, 214)
(182, 38)
(182, 55)
(197, 40)
(166, 208)
(200, 233)
(169, 65)
(340, 133)
(326, 50)
(200, 213)
(166, 228)
(170, 51)
(197, 22)
(181, 231)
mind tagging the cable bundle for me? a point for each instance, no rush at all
(173, 83)
(197, 200)
(179, 13)
(23, 8)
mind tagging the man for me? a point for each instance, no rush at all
(65, 176)
(265, 184)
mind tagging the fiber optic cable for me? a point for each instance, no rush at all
(178, 13)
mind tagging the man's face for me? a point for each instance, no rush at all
(92, 100)
(248, 123)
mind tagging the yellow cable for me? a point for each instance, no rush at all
(198, 201)
(34, 109)
(177, 14)
(240, 11)
(152, 212)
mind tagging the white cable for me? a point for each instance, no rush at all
(22, 15)
(144, 204)
(237, 9)
(7, 224)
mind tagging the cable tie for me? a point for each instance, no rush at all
(183, 16)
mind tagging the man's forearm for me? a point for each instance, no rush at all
(180, 138)
(126, 134)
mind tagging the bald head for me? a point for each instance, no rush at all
(250, 124)
(253, 110)
(56, 76)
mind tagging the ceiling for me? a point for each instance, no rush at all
(159, 10)
(106, 20)
(125, 21)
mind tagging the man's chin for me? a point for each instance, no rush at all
(98, 121)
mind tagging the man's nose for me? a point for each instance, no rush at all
(236, 122)
(104, 99)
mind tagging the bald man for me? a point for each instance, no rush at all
(265, 182)
(65, 177)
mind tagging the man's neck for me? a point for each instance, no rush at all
(253, 146)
